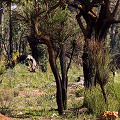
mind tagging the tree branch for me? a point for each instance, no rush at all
(54, 7)
(24, 18)
(115, 21)
(74, 44)
(35, 6)
(107, 4)
(81, 24)
(84, 2)
(43, 18)
(49, 11)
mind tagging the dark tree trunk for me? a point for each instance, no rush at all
(52, 61)
(2, 9)
(10, 32)
(96, 31)
(64, 75)
(33, 45)
(89, 71)
(89, 68)
(1, 14)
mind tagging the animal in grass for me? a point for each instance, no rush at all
(109, 115)
(29, 61)
(115, 63)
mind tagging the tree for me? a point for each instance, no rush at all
(48, 21)
(6, 28)
(2, 10)
(98, 17)
(10, 29)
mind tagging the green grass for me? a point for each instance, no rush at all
(31, 106)
(94, 99)
(35, 107)
(20, 79)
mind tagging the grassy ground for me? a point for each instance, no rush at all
(28, 95)
(32, 96)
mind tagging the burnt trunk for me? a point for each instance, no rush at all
(1, 17)
(64, 75)
(52, 61)
(89, 68)
(33, 45)
(10, 33)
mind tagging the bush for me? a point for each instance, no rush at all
(2, 68)
(95, 102)
(6, 103)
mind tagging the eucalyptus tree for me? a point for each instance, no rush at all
(94, 18)
(1, 24)
(6, 29)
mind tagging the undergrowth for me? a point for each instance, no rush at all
(34, 107)
(94, 100)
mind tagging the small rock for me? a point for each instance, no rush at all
(109, 115)
(54, 115)
(20, 113)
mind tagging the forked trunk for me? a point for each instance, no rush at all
(64, 75)
(52, 61)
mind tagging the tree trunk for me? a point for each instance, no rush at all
(2, 10)
(1, 14)
(33, 45)
(10, 30)
(52, 61)
(88, 67)
(64, 75)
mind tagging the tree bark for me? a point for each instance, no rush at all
(52, 61)
(10, 26)
(97, 26)
(33, 45)
(88, 68)
(1, 14)
(2, 10)
(64, 75)
(10, 30)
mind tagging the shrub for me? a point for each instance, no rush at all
(6, 103)
(94, 101)
(99, 60)
(2, 68)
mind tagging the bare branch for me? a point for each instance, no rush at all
(107, 4)
(81, 24)
(95, 3)
(84, 2)
(49, 11)
(44, 17)
(35, 6)
(23, 17)
(74, 44)
(54, 7)
(115, 21)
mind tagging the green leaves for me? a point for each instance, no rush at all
(60, 15)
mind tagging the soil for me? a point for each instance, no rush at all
(2, 117)
(36, 93)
